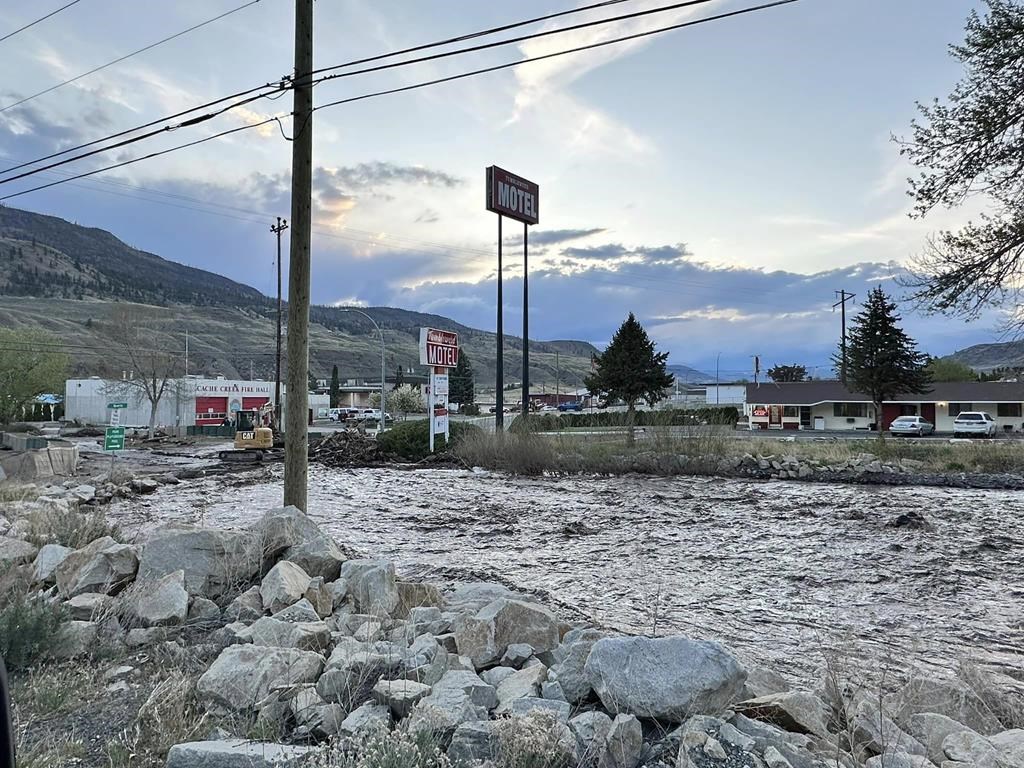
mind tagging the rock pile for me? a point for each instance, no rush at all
(327, 648)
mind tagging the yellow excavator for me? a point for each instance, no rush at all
(254, 438)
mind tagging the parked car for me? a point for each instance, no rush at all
(911, 425)
(974, 424)
(576, 405)
(548, 409)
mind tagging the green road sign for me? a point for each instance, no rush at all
(113, 440)
(117, 405)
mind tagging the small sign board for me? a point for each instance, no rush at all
(512, 195)
(117, 406)
(440, 384)
(113, 439)
(441, 421)
(439, 348)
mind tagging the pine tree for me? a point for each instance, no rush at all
(630, 370)
(399, 378)
(461, 388)
(881, 360)
(335, 395)
(788, 373)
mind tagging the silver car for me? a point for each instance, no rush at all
(911, 425)
(974, 424)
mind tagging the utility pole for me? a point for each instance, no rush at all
(296, 443)
(282, 225)
(843, 298)
(526, 324)
(558, 380)
(186, 352)
(499, 357)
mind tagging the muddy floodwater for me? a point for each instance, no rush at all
(779, 571)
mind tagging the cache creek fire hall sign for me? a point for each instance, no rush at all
(440, 351)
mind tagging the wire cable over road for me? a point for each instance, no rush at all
(41, 18)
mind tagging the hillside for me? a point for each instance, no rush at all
(72, 280)
(687, 375)
(987, 357)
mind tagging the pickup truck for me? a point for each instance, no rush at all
(576, 405)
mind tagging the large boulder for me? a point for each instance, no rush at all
(163, 603)
(798, 712)
(1010, 746)
(525, 683)
(287, 533)
(931, 729)
(485, 636)
(667, 678)
(76, 638)
(243, 675)
(236, 753)
(372, 584)
(945, 697)
(572, 657)
(284, 585)
(44, 568)
(101, 566)
(215, 562)
(400, 695)
(247, 607)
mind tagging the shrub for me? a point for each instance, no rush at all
(401, 748)
(411, 439)
(29, 630)
(671, 417)
(519, 453)
(532, 741)
(69, 528)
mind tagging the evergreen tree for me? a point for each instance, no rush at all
(335, 396)
(461, 388)
(787, 373)
(399, 378)
(630, 370)
(881, 360)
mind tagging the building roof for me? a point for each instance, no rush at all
(815, 392)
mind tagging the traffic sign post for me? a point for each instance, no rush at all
(113, 439)
(115, 412)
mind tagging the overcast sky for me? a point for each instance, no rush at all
(720, 181)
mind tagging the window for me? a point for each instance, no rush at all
(791, 411)
(956, 408)
(850, 410)
(1008, 410)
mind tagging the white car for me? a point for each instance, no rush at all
(974, 423)
(549, 409)
(911, 425)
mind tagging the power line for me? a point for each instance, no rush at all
(375, 94)
(118, 60)
(287, 78)
(42, 18)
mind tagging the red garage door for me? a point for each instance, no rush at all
(211, 410)
(251, 403)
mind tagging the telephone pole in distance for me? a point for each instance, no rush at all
(843, 298)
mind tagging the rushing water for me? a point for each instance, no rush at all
(779, 571)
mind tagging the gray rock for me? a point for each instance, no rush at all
(365, 719)
(203, 612)
(77, 638)
(486, 636)
(372, 584)
(243, 675)
(214, 561)
(89, 606)
(339, 591)
(163, 603)
(797, 711)
(469, 683)
(572, 656)
(945, 697)
(931, 729)
(350, 681)
(623, 744)
(247, 607)
(668, 678)
(369, 631)
(523, 684)
(875, 732)
(287, 533)
(306, 636)
(1010, 746)
(971, 748)
(400, 695)
(139, 637)
(144, 485)
(495, 675)
(285, 584)
(235, 753)
(44, 568)
(891, 759)
(762, 681)
(551, 689)
(516, 655)
(591, 729)
(557, 709)
(473, 742)
(470, 597)
(101, 566)
(302, 611)
(83, 493)
(412, 594)
(320, 597)
(765, 735)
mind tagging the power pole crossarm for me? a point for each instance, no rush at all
(296, 446)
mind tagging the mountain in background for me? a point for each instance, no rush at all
(687, 375)
(987, 357)
(72, 280)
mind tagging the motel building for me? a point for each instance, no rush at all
(828, 405)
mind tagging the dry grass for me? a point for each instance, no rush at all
(532, 741)
(400, 748)
(13, 492)
(69, 528)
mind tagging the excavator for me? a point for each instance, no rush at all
(254, 437)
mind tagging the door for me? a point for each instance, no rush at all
(211, 410)
(890, 412)
(928, 412)
(774, 415)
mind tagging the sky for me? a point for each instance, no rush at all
(721, 181)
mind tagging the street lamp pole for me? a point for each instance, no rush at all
(718, 386)
(383, 412)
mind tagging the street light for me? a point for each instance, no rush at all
(383, 413)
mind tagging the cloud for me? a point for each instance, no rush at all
(429, 216)
(371, 176)
(554, 236)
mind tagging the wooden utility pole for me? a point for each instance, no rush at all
(296, 439)
(282, 225)
(843, 298)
